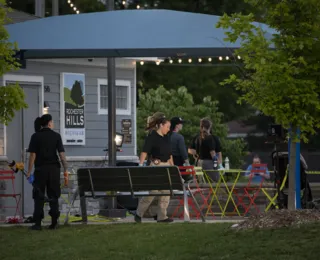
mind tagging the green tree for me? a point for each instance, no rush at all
(282, 76)
(178, 102)
(11, 96)
(200, 81)
(77, 94)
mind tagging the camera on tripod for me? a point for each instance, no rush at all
(276, 133)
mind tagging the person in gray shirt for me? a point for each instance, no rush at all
(178, 146)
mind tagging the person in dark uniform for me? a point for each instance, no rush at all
(152, 126)
(37, 128)
(203, 149)
(158, 146)
(218, 150)
(44, 147)
(179, 150)
(37, 125)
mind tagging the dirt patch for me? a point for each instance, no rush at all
(278, 219)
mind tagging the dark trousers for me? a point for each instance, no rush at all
(177, 160)
(46, 180)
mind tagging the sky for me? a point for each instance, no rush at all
(70, 78)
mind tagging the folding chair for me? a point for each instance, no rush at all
(199, 174)
(251, 191)
(225, 188)
(8, 175)
(190, 170)
(276, 195)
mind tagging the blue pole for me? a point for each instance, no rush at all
(289, 144)
(298, 181)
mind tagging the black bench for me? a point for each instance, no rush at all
(138, 181)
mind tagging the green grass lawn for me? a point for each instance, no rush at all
(159, 241)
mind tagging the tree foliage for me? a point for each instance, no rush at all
(200, 81)
(281, 65)
(282, 81)
(77, 94)
(178, 102)
(11, 96)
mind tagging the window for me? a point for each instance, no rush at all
(123, 97)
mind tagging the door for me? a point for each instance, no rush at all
(18, 135)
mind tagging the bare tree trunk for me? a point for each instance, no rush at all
(292, 177)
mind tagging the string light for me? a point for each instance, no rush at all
(73, 7)
(138, 6)
(124, 2)
(239, 57)
(205, 61)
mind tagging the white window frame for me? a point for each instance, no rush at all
(125, 83)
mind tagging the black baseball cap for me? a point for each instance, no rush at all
(176, 121)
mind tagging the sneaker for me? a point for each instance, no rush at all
(167, 220)
(137, 218)
(35, 227)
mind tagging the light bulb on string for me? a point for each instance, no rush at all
(124, 2)
(210, 59)
(189, 60)
(227, 57)
(141, 62)
(171, 61)
(239, 57)
(138, 6)
(179, 60)
(200, 60)
(75, 8)
(71, 5)
(220, 58)
(69, 1)
(78, 11)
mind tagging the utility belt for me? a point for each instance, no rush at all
(157, 161)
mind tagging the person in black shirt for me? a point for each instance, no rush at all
(37, 125)
(152, 126)
(203, 149)
(158, 146)
(43, 148)
(218, 150)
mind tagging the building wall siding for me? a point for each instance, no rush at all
(96, 125)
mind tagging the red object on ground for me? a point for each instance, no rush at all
(8, 175)
(189, 170)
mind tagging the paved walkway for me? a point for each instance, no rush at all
(130, 220)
